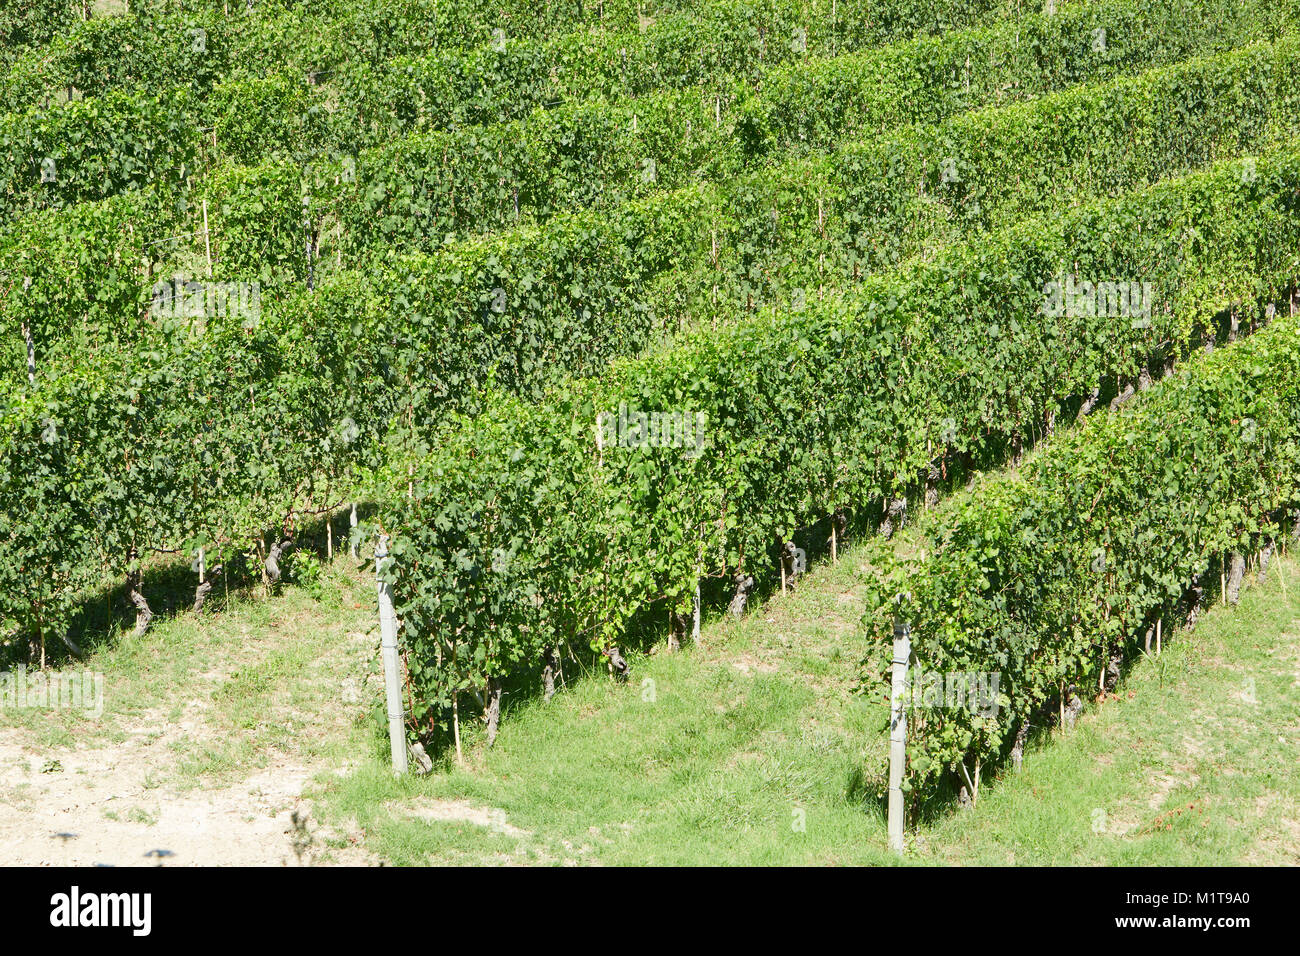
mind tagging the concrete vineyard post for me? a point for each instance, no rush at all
(898, 731)
(352, 524)
(392, 677)
(695, 616)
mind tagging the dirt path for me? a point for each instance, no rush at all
(211, 730)
(118, 818)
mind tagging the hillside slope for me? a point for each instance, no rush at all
(744, 749)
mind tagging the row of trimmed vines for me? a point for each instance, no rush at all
(722, 48)
(124, 138)
(486, 60)
(415, 193)
(1052, 574)
(529, 529)
(421, 189)
(864, 207)
(532, 303)
(161, 45)
(328, 375)
(59, 153)
(608, 302)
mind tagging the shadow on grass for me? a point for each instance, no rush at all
(170, 582)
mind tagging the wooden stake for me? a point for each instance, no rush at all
(207, 235)
(714, 235)
(821, 256)
(311, 267)
(970, 784)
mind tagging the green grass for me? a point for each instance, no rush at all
(225, 690)
(1195, 762)
(750, 747)
(740, 750)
